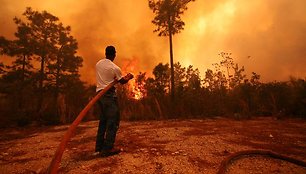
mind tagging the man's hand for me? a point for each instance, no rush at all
(126, 78)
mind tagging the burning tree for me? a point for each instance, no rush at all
(168, 21)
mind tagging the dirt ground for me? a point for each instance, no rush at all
(172, 146)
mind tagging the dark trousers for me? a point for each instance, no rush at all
(109, 122)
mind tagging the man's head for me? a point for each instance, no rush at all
(110, 52)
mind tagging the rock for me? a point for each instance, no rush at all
(175, 153)
(153, 149)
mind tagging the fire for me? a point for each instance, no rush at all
(135, 91)
(130, 66)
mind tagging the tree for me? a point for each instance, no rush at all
(18, 76)
(63, 66)
(227, 62)
(215, 81)
(1, 68)
(168, 21)
(297, 101)
(238, 76)
(179, 78)
(42, 37)
(3, 50)
(193, 78)
(159, 85)
(255, 79)
(22, 49)
(189, 89)
(41, 32)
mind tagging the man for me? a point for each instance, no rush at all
(106, 73)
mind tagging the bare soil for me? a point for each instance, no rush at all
(171, 146)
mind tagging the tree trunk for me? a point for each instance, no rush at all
(172, 88)
(161, 115)
(20, 101)
(40, 89)
(57, 86)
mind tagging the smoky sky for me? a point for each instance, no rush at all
(265, 36)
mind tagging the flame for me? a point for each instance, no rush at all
(130, 66)
(135, 91)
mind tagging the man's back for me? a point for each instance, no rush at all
(106, 72)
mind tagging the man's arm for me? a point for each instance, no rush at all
(126, 78)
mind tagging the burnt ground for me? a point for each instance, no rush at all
(171, 146)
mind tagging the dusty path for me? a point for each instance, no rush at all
(173, 146)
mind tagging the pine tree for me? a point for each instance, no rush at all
(168, 21)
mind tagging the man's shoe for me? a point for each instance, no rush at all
(110, 152)
(114, 150)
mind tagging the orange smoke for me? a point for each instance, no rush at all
(271, 32)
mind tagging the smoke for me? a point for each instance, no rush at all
(271, 32)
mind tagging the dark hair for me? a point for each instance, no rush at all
(110, 51)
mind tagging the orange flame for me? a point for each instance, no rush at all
(130, 66)
(136, 93)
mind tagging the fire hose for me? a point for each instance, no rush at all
(227, 161)
(56, 160)
(53, 167)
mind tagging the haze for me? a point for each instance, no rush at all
(271, 32)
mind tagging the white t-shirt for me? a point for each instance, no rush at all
(106, 72)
